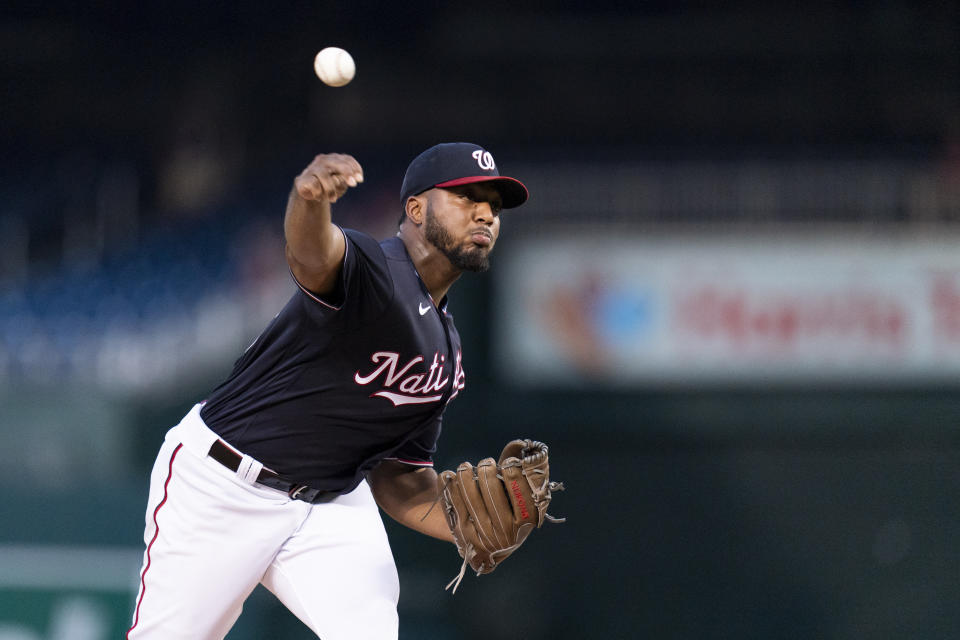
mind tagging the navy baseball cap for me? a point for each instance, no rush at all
(454, 163)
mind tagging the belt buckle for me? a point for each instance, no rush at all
(304, 492)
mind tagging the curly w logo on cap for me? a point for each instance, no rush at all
(484, 159)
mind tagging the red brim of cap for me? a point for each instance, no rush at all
(512, 191)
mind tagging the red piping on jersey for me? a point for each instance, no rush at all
(314, 296)
(419, 463)
(143, 576)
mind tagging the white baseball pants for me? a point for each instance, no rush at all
(211, 537)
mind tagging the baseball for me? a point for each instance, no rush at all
(334, 66)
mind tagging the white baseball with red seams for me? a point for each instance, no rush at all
(335, 66)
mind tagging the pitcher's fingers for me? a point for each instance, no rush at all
(349, 167)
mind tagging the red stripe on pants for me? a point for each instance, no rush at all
(156, 526)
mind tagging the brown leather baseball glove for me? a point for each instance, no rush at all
(493, 507)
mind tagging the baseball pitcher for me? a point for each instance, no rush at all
(275, 478)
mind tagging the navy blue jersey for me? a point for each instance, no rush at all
(334, 386)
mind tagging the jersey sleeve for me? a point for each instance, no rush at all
(364, 288)
(419, 451)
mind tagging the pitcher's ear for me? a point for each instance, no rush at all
(416, 209)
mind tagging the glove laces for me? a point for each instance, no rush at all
(463, 571)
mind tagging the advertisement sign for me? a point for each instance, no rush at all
(678, 309)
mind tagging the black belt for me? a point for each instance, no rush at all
(229, 458)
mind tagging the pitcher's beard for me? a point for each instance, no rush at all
(463, 258)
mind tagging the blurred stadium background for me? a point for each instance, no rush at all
(731, 306)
